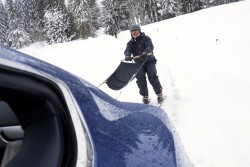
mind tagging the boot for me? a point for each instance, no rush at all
(160, 98)
(145, 100)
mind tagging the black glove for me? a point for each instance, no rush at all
(128, 58)
(144, 54)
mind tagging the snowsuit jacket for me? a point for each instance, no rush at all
(136, 46)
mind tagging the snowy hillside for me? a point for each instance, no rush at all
(203, 64)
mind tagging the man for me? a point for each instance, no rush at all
(141, 44)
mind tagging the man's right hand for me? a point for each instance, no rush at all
(128, 58)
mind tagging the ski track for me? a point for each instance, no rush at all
(171, 104)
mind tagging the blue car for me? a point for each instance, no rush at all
(52, 118)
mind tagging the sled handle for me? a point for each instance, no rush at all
(138, 56)
(134, 57)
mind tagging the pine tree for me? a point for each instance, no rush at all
(115, 16)
(56, 26)
(3, 24)
(77, 9)
(86, 14)
(72, 31)
(168, 9)
(50, 5)
(93, 14)
(34, 12)
(10, 10)
(19, 36)
(106, 18)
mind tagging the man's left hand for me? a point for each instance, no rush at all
(144, 54)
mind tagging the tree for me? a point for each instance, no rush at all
(93, 14)
(167, 9)
(78, 10)
(10, 10)
(3, 24)
(86, 14)
(115, 16)
(56, 26)
(19, 36)
(141, 8)
(72, 31)
(50, 5)
(33, 18)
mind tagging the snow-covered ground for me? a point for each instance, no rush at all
(203, 65)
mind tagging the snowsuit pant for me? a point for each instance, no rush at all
(148, 68)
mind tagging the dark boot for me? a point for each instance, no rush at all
(160, 98)
(145, 100)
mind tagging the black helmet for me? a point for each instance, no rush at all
(135, 27)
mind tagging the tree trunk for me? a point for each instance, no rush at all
(142, 12)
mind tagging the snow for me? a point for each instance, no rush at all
(203, 65)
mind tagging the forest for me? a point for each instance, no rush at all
(23, 22)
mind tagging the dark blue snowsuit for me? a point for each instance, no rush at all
(136, 46)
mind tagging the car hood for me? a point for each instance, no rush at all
(121, 133)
